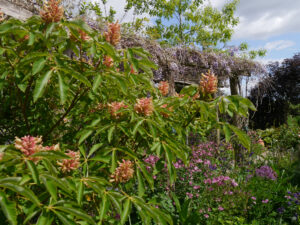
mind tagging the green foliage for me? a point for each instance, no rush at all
(55, 82)
(188, 21)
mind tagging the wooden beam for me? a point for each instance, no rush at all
(15, 11)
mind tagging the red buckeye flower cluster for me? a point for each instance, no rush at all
(144, 106)
(208, 83)
(51, 11)
(123, 173)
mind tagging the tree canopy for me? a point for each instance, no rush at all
(276, 92)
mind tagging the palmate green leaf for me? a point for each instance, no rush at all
(45, 218)
(38, 65)
(113, 161)
(85, 134)
(242, 136)
(141, 185)
(103, 207)
(101, 158)
(34, 171)
(108, 49)
(97, 81)
(58, 182)
(63, 218)
(51, 188)
(80, 190)
(227, 132)
(31, 39)
(126, 210)
(22, 191)
(76, 75)
(137, 125)
(146, 174)
(52, 155)
(171, 170)
(77, 213)
(94, 149)
(32, 212)
(40, 85)
(9, 209)
(63, 89)
(50, 28)
(115, 202)
(110, 133)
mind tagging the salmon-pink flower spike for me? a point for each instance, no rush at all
(123, 173)
(113, 35)
(29, 145)
(163, 87)
(70, 164)
(114, 107)
(52, 12)
(108, 61)
(208, 83)
(144, 106)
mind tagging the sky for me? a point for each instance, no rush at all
(270, 24)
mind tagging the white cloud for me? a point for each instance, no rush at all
(279, 45)
(261, 19)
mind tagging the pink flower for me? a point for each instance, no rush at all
(114, 107)
(253, 198)
(209, 209)
(220, 208)
(196, 187)
(190, 195)
(124, 172)
(200, 210)
(208, 83)
(265, 201)
(113, 35)
(235, 184)
(52, 12)
(163, 87)
(206, 216)
(29, 145)
(144, 106)
(70, 164)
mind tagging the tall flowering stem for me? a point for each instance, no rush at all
(163, 87)
(208, 83)
(52, 11)
(113, 35)
(123, 173)
(144, 106)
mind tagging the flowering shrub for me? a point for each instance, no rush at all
(63, 82)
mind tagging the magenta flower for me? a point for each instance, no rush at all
(220, 208)
(265, 201)
(206, 216)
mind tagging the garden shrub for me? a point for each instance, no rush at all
(79, 117)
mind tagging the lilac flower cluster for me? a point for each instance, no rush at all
(266, 172)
